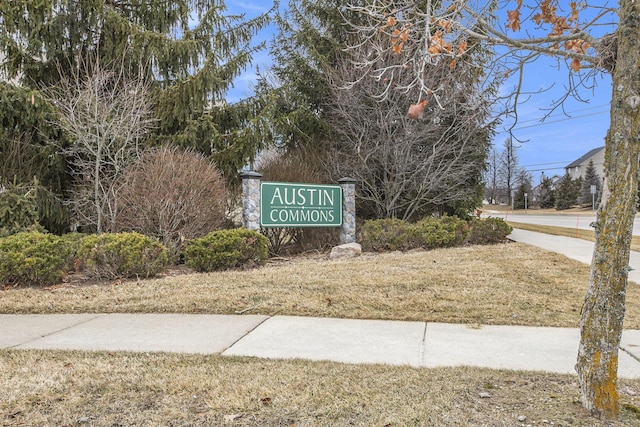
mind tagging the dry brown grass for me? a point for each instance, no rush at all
(43, 388)
(507, 284)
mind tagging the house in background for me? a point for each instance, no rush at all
(577, 168)
(540, 189)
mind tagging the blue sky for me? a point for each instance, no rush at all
(251, 8)
(569, 132)
(547, 146)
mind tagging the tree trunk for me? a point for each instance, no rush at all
(96, 186)
(604, 305)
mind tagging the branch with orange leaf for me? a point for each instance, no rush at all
(424, 33)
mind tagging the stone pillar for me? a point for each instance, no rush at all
(348, 234)
(251, 200)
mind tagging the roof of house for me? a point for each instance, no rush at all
(584, 158)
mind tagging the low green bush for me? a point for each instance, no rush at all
(116, 255)
(440, 232)
(385, 235)
(227, 249)
(428, 233)
(71, 244)
(33, 258)
(489, 230)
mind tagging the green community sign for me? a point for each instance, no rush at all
(300, 205)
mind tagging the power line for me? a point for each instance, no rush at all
(566, 115)
(545, 169)
(558, 121)
(547, 164)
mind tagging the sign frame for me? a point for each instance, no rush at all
(300, 205)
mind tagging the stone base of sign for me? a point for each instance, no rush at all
(251, 200)
(348, 234)
(348, 250)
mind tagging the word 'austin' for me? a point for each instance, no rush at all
(298, 197)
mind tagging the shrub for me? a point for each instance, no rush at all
(489, 230)
(385, 235)
(71, 243)
(172, 195)
(32, 258)
(122, 255)
(439, 233)
(226, 249)
(428, 233)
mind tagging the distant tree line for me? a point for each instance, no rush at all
(505, 177)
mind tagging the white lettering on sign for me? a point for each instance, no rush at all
(313, 215)
(299, 197)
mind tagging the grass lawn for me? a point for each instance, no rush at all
(42, 388)
(508, 284)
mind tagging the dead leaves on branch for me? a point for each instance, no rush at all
(399, 36)
(578, 46)
(417, 110)
(548, 15)
(446, 39)
(445, 25)
(513, 18)
(438, 45)
(462, 47)
(575, 65)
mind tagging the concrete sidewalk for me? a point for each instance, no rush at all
(416, 344)
(577, 249)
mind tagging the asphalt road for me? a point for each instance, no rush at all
(582, 220)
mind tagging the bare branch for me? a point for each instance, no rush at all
(107, 114)
(429, 33)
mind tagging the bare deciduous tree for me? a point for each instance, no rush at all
(492, 177)
(509, 168)
(106, 113)
(407, 167)
(430, 32)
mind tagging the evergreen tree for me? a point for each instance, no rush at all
(189, 49)
(567, 191)
(591, 177)
(28, 153)
(309, 42)
(524, 186)
(26, 135)
(546, 193)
